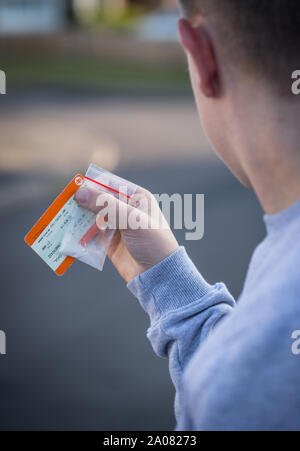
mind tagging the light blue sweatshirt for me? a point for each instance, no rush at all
(232, 364)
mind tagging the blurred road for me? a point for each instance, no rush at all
(77, 355)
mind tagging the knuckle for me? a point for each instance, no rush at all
(143, 191)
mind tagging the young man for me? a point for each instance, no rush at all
(234, 366)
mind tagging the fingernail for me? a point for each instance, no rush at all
(82, 195)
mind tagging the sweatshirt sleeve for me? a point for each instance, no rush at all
(183, 309)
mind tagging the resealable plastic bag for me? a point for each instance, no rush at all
(83, 239)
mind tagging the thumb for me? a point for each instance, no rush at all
(118, 213)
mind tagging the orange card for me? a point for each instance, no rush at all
(46, 235)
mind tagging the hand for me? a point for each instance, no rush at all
(132, 250)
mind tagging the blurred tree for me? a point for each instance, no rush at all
(70, 13)
(147, 4)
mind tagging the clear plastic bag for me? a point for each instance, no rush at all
(82, 239)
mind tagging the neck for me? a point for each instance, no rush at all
(269, 150)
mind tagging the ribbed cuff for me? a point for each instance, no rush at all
(171, 284)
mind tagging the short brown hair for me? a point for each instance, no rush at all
(262, 36)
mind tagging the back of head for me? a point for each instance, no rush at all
(262, 37)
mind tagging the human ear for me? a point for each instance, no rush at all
(198, 44)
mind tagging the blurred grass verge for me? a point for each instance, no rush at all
(89, 72)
